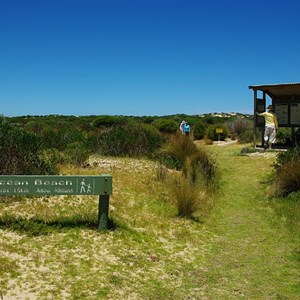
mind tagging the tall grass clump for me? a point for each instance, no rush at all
(187, 196)
(191, 187)
(287, 172)
(287, 179)
(194, 163)
(177, 151)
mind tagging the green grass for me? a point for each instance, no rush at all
(247, 247)
(255, 254)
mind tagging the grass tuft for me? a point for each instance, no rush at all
(287, 179)
(186, 196)
(189, 190)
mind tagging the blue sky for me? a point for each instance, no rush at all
(143, 57)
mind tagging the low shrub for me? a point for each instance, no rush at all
(62, 137)
(283, 135)
(51, 158)
(76, 153)
(246, 136)
(94, 140)
(109, 121)
(199, 130)
(165, 125)
(239, 126)
(213, 135)
(292, 155)
(208, 141)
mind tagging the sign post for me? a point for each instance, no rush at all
(219, 131)
(38, 185)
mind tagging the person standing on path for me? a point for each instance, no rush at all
(181, 126)
(271, 125)
(187, 129)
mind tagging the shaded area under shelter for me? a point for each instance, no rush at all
(285, 99)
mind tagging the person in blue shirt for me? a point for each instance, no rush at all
(186, 129)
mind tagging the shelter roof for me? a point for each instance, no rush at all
(277, 90)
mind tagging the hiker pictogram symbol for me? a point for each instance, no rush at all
(85, 187)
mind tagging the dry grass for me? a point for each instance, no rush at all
(288, 179)
(240, 251)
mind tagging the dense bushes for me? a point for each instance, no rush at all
(292, 155)
(212, 134)
(22, 152)
(109, 121)
(74, 138)
(60, 138)
(76, 153)
(241, 129)
(239, 126)
(166, 125)
(133, 139)
(199, 130)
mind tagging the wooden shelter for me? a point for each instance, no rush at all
(285, 99)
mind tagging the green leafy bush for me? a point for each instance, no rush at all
(94, 140)
(109, 121)
(246, 136)
(199, 130)
(291, 155)
(76, 153)
(60, 138)
(21, 152)
(212, 135)
(51, 158)
(283, 135)
(133, 139)
(166, 125)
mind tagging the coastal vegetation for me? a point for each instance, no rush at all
(188, 220)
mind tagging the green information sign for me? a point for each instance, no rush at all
(35, 185)
(55, 185)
